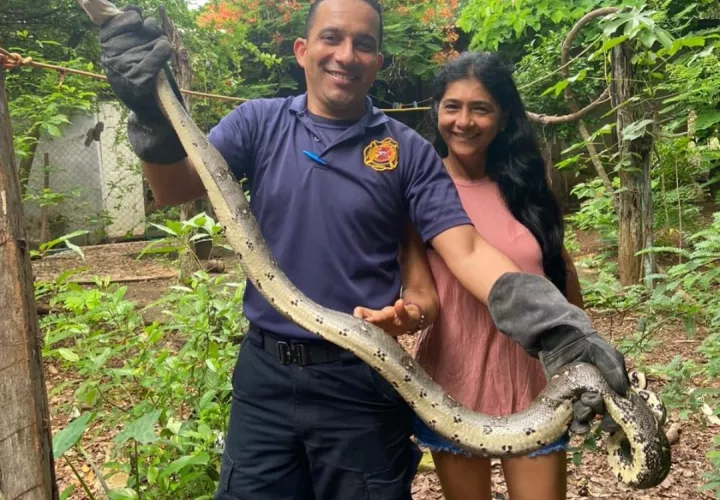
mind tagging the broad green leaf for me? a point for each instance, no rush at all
(688, 41)
(707, 119)
(636, 129)
(141, 430)
(579, 77)
(75, 249)
(205, 431)
(557, 88)
(68, 354)
(182, 462)
(612, 42)
(122, 494)
(152, 474)
(69, 436)
(647, 38)
(165, 229)
(174, 425)
(212, 365)
(67, 492)
(206, 398)
(611, 26)
(664, 38)
(52, 130)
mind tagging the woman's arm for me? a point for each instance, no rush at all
(419, 305)
(418, 283)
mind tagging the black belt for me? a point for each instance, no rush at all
(296, 351)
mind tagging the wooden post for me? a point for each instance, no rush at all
(26, 462)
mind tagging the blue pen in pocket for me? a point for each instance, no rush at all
(314, 157)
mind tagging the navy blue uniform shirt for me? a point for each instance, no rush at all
(332, 200)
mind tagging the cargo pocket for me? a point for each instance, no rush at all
(224, 491)
(395, 482)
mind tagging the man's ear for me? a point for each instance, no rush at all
(380, 60)
(299, 48)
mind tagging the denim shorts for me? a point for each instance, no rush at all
(431, 440)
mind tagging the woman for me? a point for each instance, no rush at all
(488, 148)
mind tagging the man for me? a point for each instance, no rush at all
(333, 182)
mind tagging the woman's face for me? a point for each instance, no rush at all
(468, 119)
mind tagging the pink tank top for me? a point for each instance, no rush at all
(463, 351)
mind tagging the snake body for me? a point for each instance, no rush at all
(638, 454)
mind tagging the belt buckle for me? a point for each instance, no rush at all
(284, 352)
(292, 352)
(299, 354)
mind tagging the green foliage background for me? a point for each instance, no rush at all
(167, 383)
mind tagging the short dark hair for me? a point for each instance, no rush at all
(375, 4)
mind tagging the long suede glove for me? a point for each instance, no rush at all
(133, 52)
(533, 312)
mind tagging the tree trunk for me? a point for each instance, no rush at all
(26, 461)
(635, 199)
(183, 74)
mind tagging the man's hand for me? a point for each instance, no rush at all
(398, 319)
(133, 52)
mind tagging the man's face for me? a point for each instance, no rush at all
(340, 57)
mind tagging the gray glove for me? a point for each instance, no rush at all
(533, 312)
(133, 52)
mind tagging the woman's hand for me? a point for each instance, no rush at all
(398, 319)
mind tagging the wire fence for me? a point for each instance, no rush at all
(87, 179)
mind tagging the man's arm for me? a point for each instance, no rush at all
(474, 262)
(174, 183)
(418, 284)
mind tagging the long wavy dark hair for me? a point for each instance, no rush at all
(514, 161)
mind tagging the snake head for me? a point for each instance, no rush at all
(656, 406)
(638, 379)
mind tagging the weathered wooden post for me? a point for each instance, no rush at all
(26, 461)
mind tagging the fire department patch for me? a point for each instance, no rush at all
(381, 155)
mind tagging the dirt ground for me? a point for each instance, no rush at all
(147, 280)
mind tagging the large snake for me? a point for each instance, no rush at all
(638, 454)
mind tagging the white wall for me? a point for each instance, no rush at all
(106, 175)
(121, 177)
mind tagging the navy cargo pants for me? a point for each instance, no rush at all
(311, 421)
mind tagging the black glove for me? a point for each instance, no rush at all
(533, 312)
(133, 52)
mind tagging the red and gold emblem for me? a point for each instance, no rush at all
(381, 155)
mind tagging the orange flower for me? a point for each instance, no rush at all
(277, 38)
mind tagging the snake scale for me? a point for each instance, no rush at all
(638, 454)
